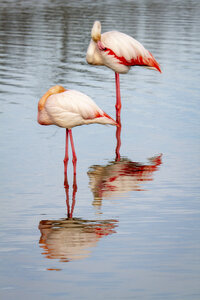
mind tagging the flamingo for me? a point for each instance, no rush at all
(118, 51)
(67, 109)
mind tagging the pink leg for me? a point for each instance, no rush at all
(70, 210)
(118, 116)
(67, 200)
(66, 159)
(74, 159)
(73, 196)
(118, 97)
(118, 136)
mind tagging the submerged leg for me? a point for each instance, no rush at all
(118, 97)
(74, 159)
(118, 137)
(67, 200)
(71, 210)
(73, 196)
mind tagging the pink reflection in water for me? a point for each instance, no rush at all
(120, 176)
(71, 238)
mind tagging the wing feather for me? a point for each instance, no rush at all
(125, 50)
(123, 45)
(71, 108)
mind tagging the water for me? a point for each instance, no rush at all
(135, 227)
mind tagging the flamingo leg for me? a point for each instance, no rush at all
(71, 210)
(74, 159)
(118, 136)
(118, 97)
(66, 159)
(67, 200)
(73, 197)
(118, 117)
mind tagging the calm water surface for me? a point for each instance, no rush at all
(131, 229)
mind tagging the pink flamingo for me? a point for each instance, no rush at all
(67, 109)
(118, 51)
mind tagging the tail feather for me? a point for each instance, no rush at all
(148, 62)
(107, 118)
(111, 120)
(153, 63)
(101, 118)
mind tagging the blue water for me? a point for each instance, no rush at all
(135, 227)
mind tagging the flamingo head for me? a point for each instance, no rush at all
(53, 90)
(56, 89)
(96, 31)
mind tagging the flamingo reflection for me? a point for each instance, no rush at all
(120, 176)
(70, 238)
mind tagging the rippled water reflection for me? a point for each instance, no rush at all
(72, 239)
(119, 177)
(133, 224)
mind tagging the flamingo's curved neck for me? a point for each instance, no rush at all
(53, 90)
(96, 31)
